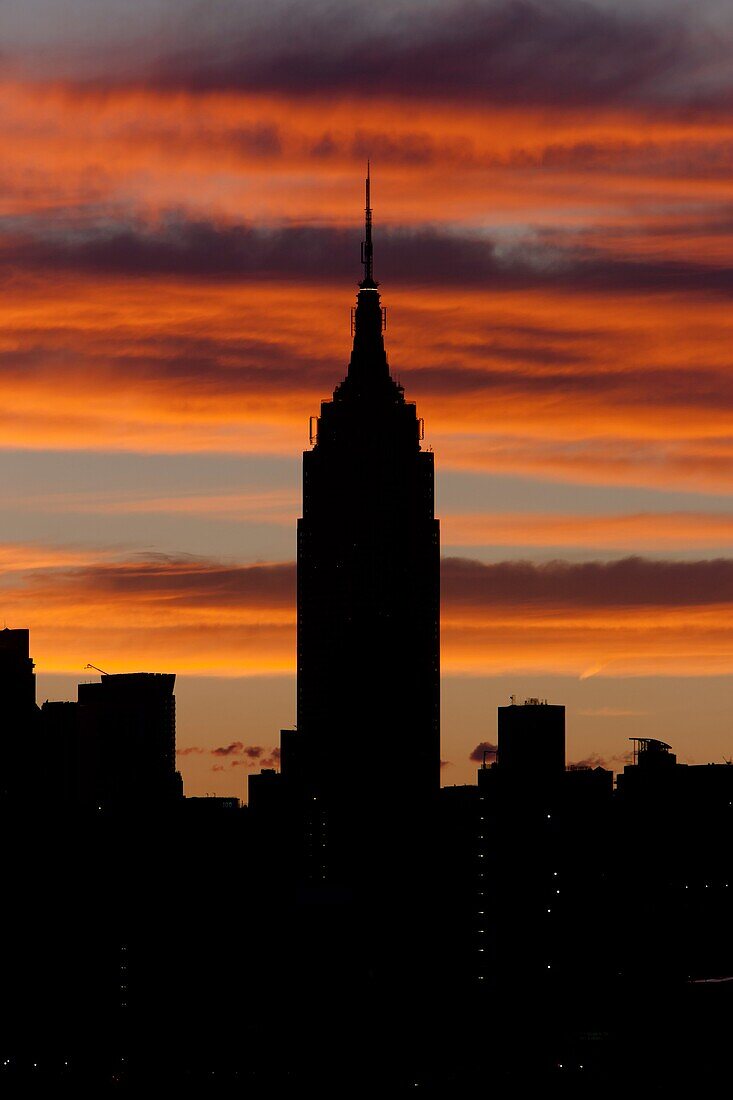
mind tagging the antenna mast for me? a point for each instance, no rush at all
(366, 244)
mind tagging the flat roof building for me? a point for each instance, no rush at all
(532, 737)
(128, 736)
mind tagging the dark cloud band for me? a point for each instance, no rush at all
(466, 585)
(564, 52)
(630, 582)
(190, 249)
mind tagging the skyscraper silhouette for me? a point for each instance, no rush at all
(368, 594)
(127, 725)
(18, 713)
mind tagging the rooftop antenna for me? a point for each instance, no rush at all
(366, 244)
(485, 753)
(96, 669)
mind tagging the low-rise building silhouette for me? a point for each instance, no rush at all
(674, 822)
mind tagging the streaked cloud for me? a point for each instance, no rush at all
(612, 763)
(641, 531)
(630, 583)
(631, 616)
(515, 51)
(174, 245)
(611, 712)
(275, 506)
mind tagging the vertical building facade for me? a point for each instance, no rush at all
(542, 852)
(18, 714)
(532, 738)
(17, 675)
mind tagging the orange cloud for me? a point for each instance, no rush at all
(525, 385)
(26, 557)
(630, 617)
(541, 287)
(690, 464)
(279, 507)
(612, 645)
(67, 145)
(643, 531)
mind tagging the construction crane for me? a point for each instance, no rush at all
(96, 669)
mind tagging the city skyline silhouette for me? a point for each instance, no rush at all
(365, 666)
(179, 257)
(615, 581)
(368, 368)
(541, 904)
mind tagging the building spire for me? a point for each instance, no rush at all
(368, 364)
(367, 282)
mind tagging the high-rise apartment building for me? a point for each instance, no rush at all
(127, 728)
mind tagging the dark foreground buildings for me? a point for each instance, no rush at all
(355, 930)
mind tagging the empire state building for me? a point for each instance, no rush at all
(368, 592)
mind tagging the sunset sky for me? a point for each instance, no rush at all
(180, 217)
